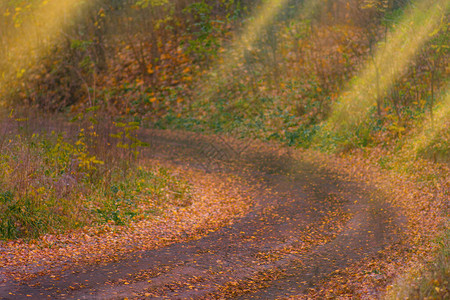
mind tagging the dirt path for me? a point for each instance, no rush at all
(307, 224)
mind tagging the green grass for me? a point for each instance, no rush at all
(51, 183)
(431, 282)
(438, 148)
(435, 280)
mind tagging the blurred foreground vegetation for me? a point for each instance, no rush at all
(156, 60)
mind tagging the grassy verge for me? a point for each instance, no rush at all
(156, 204)
(431, 282)
(53, 182)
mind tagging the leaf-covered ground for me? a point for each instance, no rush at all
(419, 189)
(215, 203)
(311, 226)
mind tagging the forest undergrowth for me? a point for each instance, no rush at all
(192, 66)
(56, 180)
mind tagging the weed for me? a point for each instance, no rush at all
(54, 182)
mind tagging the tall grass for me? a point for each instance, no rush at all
(55, 181)
(430, 282)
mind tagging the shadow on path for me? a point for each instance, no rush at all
(306, 224)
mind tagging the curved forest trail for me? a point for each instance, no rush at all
(306, 224)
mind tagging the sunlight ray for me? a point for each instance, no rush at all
(36, 36)
(432, 127)
(219, 73)
(391, 60)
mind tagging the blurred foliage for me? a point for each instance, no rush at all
(150, 61)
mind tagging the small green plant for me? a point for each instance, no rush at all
(52, 182)
(86, 161)
(205, 43)
(141, 192)
(127, 138)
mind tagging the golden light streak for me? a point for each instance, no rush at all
(219, 74)
(36, 35)
(432, 127)
(391, 59)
